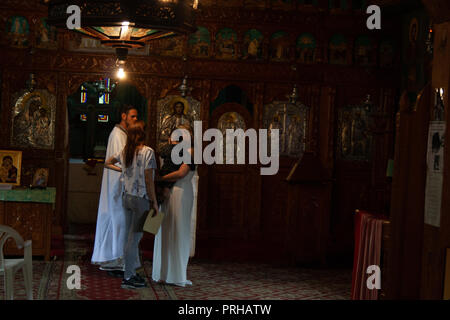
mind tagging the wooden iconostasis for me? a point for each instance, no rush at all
(243, 61)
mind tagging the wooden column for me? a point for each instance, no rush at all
(408, 197)
(437, 239)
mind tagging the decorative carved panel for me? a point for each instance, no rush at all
(292, 122)
(232, 121)
(170, 115)
(354, 139)
(33, 119)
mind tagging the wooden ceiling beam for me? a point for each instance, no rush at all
(397, 6)
(439, 10)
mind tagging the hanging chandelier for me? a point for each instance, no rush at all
(126, 24)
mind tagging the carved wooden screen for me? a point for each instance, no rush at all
(168, 118)
(33, 119)
(275, 206)
(230, 206)
(292, 121)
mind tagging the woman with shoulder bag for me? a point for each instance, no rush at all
(139, 164)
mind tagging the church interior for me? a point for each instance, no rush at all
(360, 110)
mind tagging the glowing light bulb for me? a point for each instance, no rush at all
(121, 73)
(125, 25)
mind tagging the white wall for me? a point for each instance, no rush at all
(83, 194)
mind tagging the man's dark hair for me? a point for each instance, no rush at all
(126, 108)
(7, 157)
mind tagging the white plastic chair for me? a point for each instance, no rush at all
(9, 267)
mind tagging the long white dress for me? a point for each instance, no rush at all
(194, 214)
(173, 240)
(110, 234)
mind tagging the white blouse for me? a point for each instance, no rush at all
(133, 176)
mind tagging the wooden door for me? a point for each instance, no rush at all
(230, 217)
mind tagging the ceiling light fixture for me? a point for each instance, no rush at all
(127, 24)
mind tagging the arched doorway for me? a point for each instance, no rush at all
(229, 210)
(93, 111)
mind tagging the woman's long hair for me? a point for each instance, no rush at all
(135, 137)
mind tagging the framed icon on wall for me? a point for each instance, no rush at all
(40, 178)
(10, 167)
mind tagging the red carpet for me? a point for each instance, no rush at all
(213, 281)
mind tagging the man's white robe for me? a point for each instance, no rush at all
(110, 235)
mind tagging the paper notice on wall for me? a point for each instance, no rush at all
(435, 167)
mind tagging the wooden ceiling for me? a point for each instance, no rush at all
(384, 3)
(439, 10)
(394, 4)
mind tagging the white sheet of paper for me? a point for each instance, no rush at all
(152, 224)
(435, 165)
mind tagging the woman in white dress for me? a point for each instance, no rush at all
(173, 240)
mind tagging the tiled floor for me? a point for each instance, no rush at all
(211, 281)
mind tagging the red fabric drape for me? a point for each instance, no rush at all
(368, 236)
